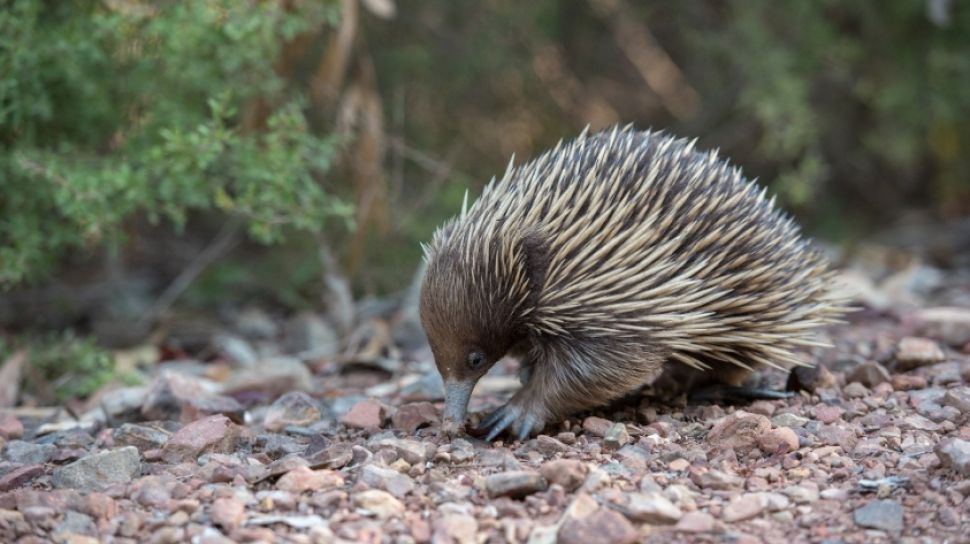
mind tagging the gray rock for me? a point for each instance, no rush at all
(389, 480)
(651, 508)
(237, 350)
(428, 387)
(27, 453)
(293, 408)
(123, 404)
(549, 445)
(885, 515)
(462, 451)
(331, 456)
(959, 398)
(272, 375)
(955, 453)
(789, 419)
(715, 479)
(140, 436)
(518, 483)
(855, 390)
(309, 335)
(868, 374)
(412, 451)
(254, 323)
(616, 437)
(77, 523)
(603, 525)
(99, 470)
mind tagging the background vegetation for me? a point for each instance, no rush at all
(149, 150)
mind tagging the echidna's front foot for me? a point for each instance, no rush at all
(519, 420)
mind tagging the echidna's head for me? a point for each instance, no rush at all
(469, 326)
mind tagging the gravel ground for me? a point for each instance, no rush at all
(325, 447)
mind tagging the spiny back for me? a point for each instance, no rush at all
(641, 237)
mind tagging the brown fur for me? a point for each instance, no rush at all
(606, 260)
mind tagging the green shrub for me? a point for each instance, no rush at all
(110, 110)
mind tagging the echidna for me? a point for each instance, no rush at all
(607, 261)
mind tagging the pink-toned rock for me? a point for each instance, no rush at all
(745, 507)
(569, 473)
(912, 352)
(102, 508)
(762, 407)
(302, 479)
(780, 440)
(739, 431)
(602, 526)
(228, 513)
(20, 476)
(828, 414)
(420, 528)
(908, 382)
(10, 427)
(678, 465)
(379, 503)
(367, 414)
(411, 417)
(151, 492)
(177, 396)
(597, 425)
(951, 324)
(213, 434)
(455, 528)
(695, 522)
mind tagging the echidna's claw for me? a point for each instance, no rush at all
(525, 429)
(504, 420)
(520, 422)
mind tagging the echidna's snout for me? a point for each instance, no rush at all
(456, 405)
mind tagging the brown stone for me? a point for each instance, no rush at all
(604, 526)
(302, 479)
(695, 522)
(569, 473)
(228, 513)
(10, 427)
(597, 425)
(211, 434)
(780, 440)
(912, 352)
(745, 507)
(455, 528)
(515, 484)
(908, 382)
(410, 417)
(739, 431)
(367, 414)
(20, 476)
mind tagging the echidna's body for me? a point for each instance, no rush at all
(606, 260)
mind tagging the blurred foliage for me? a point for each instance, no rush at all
(110, 110)
(284, 112)
(62, 366)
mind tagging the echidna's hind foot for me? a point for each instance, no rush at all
(734, 395)
(514, 417)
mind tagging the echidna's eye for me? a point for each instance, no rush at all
(476, 359)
